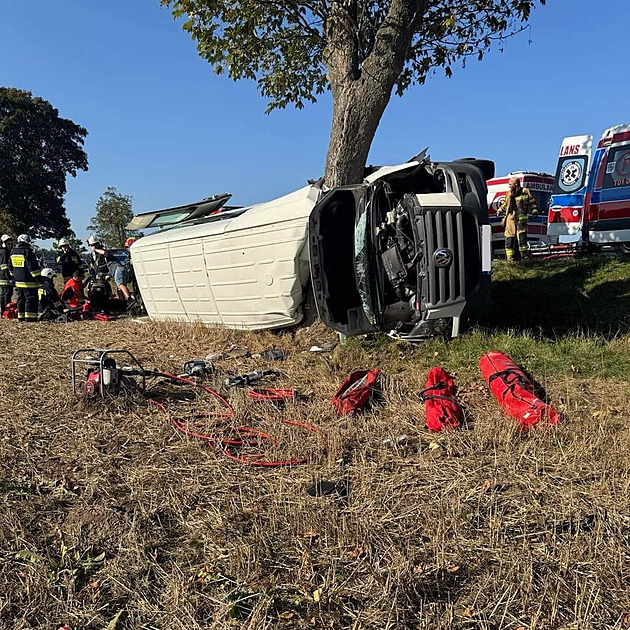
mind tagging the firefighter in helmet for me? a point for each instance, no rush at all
(69, 260)
(516, 207)
(27, 272)
(6, 278)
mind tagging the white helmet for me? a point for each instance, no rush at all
(93, 240)
(62, 242)
(6, 237)
(23, 238)
(47, 272)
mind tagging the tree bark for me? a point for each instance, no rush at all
(361, 94)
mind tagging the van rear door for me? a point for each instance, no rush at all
(566, 211)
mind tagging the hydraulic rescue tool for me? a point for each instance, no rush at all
(104, 376)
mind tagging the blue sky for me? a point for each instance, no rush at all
(165, 130)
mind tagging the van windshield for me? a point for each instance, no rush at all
(362, 262)
(618, 167)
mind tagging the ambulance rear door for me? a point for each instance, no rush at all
(566, 211)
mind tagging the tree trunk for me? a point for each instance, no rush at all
(361, 91)
(357, 110)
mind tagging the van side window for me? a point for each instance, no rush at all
(617, 167)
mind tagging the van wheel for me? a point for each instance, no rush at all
(624, 249)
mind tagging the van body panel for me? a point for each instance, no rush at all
(245, 272)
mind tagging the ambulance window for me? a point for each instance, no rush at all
(543, 202)
(570, 174)
(618, 167)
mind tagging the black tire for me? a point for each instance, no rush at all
(624, 249)
(486, 166)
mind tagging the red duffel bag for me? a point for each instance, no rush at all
(10, 312)
(442, 410)
(514, 391)
(356, 390)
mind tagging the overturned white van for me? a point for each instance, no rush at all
(406, 252)
(242, 267)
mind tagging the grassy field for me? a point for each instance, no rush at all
(109, 518)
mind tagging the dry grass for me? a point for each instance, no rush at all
(492, 529)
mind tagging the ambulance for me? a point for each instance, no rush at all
(590, 204)
(541, 187)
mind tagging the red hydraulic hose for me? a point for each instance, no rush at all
(241, 436)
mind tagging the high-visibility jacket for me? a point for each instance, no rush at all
(517, 211)
(25, 267)
(5, 272)
(70, 261)
(48, 296)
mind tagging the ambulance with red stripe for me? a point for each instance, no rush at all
(591, 200)
(541, 187)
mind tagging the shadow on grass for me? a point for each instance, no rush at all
(557, 298)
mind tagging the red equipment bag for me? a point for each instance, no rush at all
(515, 391)
(355, 391)
(442, 410)
(102, 317)
(10, 312)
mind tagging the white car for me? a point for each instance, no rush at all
(406, 252)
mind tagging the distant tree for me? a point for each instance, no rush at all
(113, 213)
(38, 149)
(362, 50)
(75, 242)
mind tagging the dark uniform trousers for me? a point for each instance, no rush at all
(6, 296)
(27, 304)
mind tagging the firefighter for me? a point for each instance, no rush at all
(27, 272)
(6, 278)
(517, 205)
(50, 306)
(69, 260)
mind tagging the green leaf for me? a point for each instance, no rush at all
(117, 622)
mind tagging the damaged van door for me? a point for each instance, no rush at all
(407, 252)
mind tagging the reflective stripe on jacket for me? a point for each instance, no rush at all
(25, 267)
(5, 272)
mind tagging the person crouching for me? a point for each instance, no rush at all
(72, 293)
(50, 306)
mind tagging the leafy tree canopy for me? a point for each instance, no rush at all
(362, 50)
(113, 213)
(287, 45)
(38, 149)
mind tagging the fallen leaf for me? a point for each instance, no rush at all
(419, 569)
(452, 569)
(311, 535)
(317, 594)
(467, 612)
(357, 552)
(485, 486)
(287, 614)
